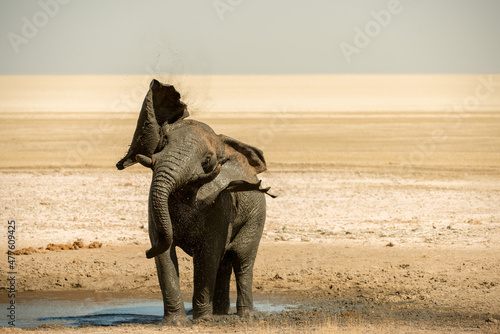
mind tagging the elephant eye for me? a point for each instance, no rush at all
(163, 141)
(207, 163)
(207, 160)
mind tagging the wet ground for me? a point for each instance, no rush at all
(54, 311)
(88, 308)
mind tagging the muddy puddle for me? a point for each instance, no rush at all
(108, 309)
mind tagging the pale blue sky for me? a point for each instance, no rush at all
(254, 37)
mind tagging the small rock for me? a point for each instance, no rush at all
(282, 238)
(95, 244)
(277, 277)
(78, 244)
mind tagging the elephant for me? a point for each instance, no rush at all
(205, 198)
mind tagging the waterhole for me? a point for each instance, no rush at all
(75, 309)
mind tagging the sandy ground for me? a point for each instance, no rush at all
(370, 242)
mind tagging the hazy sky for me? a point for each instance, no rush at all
(249, 36)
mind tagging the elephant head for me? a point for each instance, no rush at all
(188, 156)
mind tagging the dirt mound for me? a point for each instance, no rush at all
(57, 248)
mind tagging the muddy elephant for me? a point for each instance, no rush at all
(205, 198)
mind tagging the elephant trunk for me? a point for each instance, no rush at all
(161, 188)
(167, 178)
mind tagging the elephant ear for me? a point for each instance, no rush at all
(161, 105)
(167, 103)
(240, 165)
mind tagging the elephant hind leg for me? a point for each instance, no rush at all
(243, 271)
(245, 246)
(221, 295)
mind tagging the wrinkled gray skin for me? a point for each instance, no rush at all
(205, 198)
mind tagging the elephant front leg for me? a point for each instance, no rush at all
(168, 276)
(205, 264)
(208, 256)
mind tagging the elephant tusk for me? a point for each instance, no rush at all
(145, 161)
